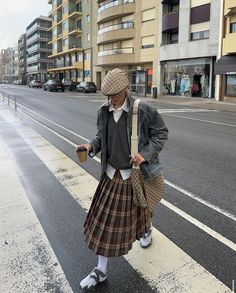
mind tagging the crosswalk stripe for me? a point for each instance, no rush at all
(165, 266)
(28, 263)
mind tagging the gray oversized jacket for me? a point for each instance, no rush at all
(152, 135)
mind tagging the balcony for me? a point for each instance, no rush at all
(115, 9)
(74, 32)
(229, 44)
(116, 56)
(122, 31)
(170, 22)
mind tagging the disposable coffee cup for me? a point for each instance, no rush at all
(82, 154)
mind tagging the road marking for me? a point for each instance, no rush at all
(28, 263)
(165, 266)
(201, 120)
(197, 198)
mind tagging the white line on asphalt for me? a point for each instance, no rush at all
(201, 120)
(194, 221)
(188, 110)
(197, 198)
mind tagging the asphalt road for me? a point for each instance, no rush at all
(200, 166)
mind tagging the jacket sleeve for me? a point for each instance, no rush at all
(158, 135)
(96, 141)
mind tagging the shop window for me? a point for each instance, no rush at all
(230, 85)
(200, 35)
(233, 27)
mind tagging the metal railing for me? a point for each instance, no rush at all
(116, 51)
(10, 100)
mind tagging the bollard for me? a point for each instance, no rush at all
(8, 100)
(15, 105)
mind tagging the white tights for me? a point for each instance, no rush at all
(102, 263)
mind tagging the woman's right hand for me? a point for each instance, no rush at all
(88, 146)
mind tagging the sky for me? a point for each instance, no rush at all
(15, 16)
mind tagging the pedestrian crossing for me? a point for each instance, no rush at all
(165, 266)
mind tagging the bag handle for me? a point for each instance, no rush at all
(134, 136)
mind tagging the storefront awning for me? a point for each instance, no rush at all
(226, 65)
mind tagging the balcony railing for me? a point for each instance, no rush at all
(116, 51)
(113, 3)
(123, 25)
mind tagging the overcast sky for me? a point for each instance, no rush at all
(16, 15)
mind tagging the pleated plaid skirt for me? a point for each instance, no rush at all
(114, 222)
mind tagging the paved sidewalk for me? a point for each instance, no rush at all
(203, 103)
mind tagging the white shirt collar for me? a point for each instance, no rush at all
(123, 107)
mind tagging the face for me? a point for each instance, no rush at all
(117, 100)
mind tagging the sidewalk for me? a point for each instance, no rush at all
(203, 103)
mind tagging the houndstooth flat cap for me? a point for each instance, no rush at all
(114, 82)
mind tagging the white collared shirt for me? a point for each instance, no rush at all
(125, 174)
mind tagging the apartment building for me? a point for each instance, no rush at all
(71, 39)
(226, 64)
(6, 64)
(127, 37)
(22, 59)
(37, 48)
(189, 47)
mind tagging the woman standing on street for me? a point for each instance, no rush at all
(114, 222)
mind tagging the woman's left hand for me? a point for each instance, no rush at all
(137, 160)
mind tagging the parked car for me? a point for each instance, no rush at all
(86, 87)
(67, 82)
(35, 83)
(54, 85)
(73, 86)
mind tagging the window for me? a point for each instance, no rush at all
(230, 85)
(79, 24)
(65, 42)
(88, 37)
(148, 14)
(65, 9)
(200, 35)
(65, 25)
(88, 18)
(233, 27)
(147, 42)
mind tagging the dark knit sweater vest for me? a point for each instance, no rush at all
(118, 150)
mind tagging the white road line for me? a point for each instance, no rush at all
(28, 263)
(194, 221)
(197, 198)
(200, 225)
(201, 120)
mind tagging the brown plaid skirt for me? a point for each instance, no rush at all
(114, 222)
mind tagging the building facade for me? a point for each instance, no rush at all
(22, 59)
(189, 47)
(126, 36)
(226, 64)
(38, 49)
(71, 40)
(6, 63)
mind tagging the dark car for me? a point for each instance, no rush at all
(87, 87)
(35, 83)
(54, 85)
(73, 86)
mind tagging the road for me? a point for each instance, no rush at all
(196, 219)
